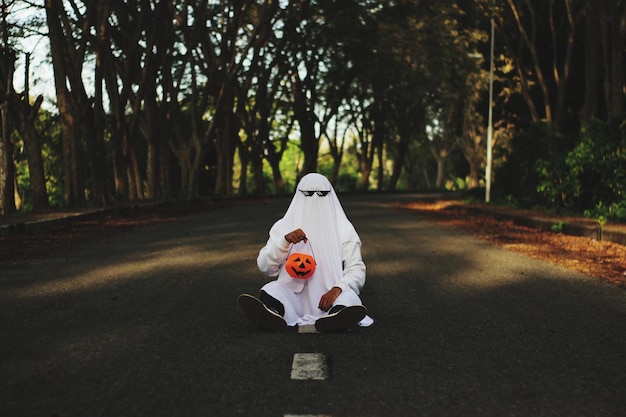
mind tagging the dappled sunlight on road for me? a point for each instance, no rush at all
(473, 280)
(178, 258)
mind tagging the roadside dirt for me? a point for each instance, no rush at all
(601, 260)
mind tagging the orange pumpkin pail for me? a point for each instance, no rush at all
(301, 265)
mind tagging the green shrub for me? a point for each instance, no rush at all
(598, 169)
(585, 174)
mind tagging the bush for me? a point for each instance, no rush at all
(598, 168)
(585, 174)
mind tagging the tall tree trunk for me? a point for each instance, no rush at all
(615, 37)
(18, 112)
(309, 141)
(472, 143)
(336, 147)
(225, 145)
(254, 151)
(441, 156)
(562, 70)
(366, 157)
(165, 177)
(536, 63)
(73, 191)
(26, 118)
(7, 166)
(398, 162)
(98, 164)
(592, 63)
(153, 132)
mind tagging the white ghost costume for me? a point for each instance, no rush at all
(335, 246)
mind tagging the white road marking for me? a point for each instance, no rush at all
(307, 366)
(307, 328)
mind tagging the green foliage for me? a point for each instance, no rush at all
(597, 166)
(603, 213)
(587, 178)
(557, 227)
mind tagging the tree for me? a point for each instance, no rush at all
(18, 112)
(303, 28)
(131, 67)
(7, 166)
(75, 107)
(26, 116)
(605, 37)
(350, 31)
(542, 51)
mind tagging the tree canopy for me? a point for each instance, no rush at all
(160, 99)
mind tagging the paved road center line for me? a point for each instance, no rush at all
(307, 328)
(308, 366)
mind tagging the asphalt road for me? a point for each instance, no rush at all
(146, 324)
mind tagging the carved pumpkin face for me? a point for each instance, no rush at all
(300, 265)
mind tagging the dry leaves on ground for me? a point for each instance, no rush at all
(602, 260)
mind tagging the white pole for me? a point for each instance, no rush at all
(490, 123)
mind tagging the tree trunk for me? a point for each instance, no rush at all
(309, 145)
(441, 172)
(398, 162)
(427, 180)
(224, 149)
(134, 176)
(336, 151)
(309, 142)
(153, 132)
(7, 167)
(98, 164)
(366, 158)
(165, 177)
(562, 72)
(616, 32)
(440, 156)
(472, 144)
(592, 63)
(227, 139)
(26, 127)
(73, 191)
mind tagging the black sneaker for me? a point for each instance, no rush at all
(344, 319)
(258, 313)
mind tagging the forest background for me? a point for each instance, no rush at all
(155, 99)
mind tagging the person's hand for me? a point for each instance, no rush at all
(328, 299)
(295, 236)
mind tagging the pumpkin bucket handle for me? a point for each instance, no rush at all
(308, 242)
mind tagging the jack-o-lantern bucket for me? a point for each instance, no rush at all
(300, 265)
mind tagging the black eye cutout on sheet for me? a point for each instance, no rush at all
(311, 192)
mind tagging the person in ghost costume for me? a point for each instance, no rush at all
(314, 223)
